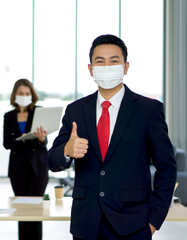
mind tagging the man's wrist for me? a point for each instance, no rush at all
(65, 151)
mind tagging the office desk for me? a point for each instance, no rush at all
(59, 210)
(177, 213)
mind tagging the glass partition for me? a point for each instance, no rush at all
(15, 56)
(94, 18)
(142, 31)
(48, 42)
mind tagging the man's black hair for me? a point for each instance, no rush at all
(109, 39)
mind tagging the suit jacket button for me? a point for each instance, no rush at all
(34, 150)
(102, 172)
(102, 194)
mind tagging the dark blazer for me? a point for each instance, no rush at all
(29, 150)
(121, 186)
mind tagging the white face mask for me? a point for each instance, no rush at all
(23, 101)
(108, 77)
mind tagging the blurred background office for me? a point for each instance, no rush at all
(47, 41)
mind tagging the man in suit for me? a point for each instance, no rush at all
(113, 135)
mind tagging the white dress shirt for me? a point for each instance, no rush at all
(113, 109)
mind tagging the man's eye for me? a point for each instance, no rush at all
(99, 61)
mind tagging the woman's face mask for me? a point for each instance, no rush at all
(108, 77)
(23, 101)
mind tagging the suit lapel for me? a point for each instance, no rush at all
(90, 119)
(15, 123)
(126, 111)
(29, 121)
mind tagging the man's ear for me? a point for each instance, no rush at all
(90, 69)
(126, 68)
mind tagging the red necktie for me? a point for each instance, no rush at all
(103, 129)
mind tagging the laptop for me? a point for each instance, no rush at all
(48, 117)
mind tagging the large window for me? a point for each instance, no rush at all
(94, 18)
(142, 31)
(54, 51)
(15, 56)
(48, 42)
(15, 42)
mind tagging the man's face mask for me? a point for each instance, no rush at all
(108, 77)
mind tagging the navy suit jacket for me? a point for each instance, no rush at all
(120, 187)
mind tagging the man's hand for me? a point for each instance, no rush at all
(153, 229)
(76, 147)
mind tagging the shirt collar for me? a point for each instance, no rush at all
(115, 100)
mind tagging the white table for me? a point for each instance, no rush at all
(59, 210)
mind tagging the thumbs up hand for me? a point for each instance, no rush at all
(76, 147)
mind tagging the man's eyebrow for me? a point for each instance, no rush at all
(116, 56)
(98, 57)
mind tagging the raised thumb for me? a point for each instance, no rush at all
(74, 129)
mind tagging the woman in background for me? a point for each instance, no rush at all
(28, 169)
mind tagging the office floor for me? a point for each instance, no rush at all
(60, 230)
